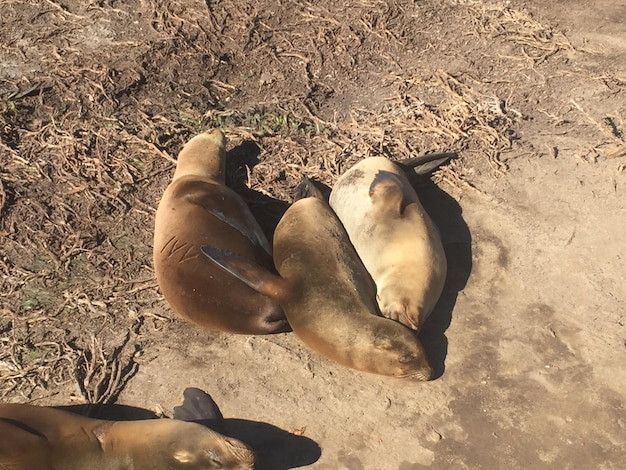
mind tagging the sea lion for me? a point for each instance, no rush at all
(191, 214)
(41, 438)
(397, 241)
(328, 296)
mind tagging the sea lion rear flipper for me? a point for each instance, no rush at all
(386, 192)
(424, 164)
(197, 405)
(247, 271)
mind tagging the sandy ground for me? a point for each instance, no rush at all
(532, 353)
(528, 339)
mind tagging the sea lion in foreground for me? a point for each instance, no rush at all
(328, 296)
(397, 241)
(40, 438)
(192, 213)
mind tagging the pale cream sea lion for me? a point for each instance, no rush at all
(41, 438)
(398, 242)
(328, 296)
(192, 213)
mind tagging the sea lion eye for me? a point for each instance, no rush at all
(405, 359)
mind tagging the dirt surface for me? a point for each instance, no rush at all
(529, 338)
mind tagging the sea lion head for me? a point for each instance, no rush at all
(416, 366)
(404, 356)
(196, 447)
(204, 156)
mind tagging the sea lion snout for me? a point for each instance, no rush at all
(420, 369)
(204, 155)
(211, 140)
(424, 376)
(241, 453)
(217, 136)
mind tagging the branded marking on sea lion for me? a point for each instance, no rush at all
(327, 295)
(34, 437)
(198, 209)
(399, 244)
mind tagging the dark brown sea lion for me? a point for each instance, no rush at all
(40, 438)
(191, 214)
(327, 294)
(398, 242)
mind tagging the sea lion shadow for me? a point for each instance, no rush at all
(110, 412)
(275, 448)
(266, 209)
(447, 214)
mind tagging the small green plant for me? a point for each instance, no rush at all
(196, 123)
(264, 121)
(34, 296)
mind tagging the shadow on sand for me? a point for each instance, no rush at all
(266, 209)
(447, 214)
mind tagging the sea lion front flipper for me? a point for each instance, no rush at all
(424, 164)
(235, 212)
(247, 271)
(254, 234)
(386, 193)
(197, 405)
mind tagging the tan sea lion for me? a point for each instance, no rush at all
(191, 214)
(328, 296)
(398, 242)
(40, 438)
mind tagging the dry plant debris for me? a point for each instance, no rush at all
(101, 377)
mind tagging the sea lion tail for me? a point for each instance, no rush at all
(426, 163)
(247, 271)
